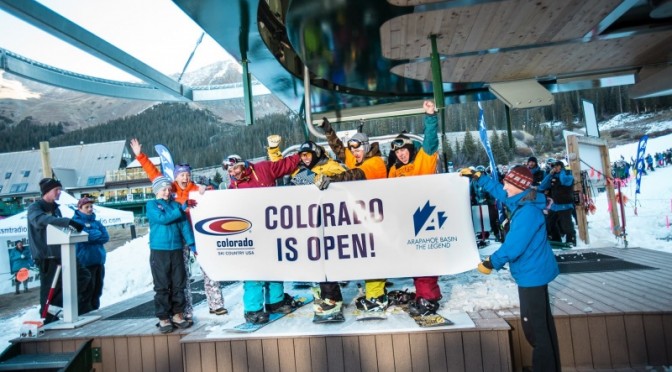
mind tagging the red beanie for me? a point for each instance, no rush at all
(519, 176)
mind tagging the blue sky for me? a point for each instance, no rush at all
(154, 31)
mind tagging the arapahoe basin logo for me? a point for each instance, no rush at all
(223, 226)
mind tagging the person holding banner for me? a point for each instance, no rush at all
(412, 162)
(181, 187)
(365, 161)
(530, 258)
(19, 258)
(262, 174)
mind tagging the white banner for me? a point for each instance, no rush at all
(387, 228)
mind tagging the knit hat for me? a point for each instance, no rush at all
(160, 183)
(313, 148)
(360, 138)
(83, 201)
(532, 158)
(181, 168)
(48, 184)
(520, 177)
(558, 162)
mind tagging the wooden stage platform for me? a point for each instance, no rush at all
(619, 320)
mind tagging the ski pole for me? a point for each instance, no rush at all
(52, 290)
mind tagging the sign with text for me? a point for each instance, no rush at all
(401, 227)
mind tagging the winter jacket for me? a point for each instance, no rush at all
(41, 214)
(371, 167)
(19, 259)
(264, 173)
(169, 229)
(180, 195)
(304, 175)
(526, 247)
(425, 159)
(561, 186)
(91, 252)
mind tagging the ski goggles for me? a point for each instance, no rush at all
(230, 162)
(355, 144)
(400, 143)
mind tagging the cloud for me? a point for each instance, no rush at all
(14, 90)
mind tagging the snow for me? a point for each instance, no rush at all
(128, 273)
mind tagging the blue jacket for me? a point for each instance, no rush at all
(169, 228)
(565, 180)
(526, 247)
(91, 252)
(17, 263)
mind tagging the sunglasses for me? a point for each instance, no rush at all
(400, 143)
(355, 144)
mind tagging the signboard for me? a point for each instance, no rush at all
(400, 227)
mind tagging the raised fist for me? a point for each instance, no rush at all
(274, 140)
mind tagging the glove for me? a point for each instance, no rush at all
(485, 267)
(274, 140)
(471, 173)
(322, 181)
(190, 203)
(325, 126)
(76, 225)
(192, 248)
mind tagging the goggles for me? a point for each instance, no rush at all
(355, 144)
(400, 143)
(230, 162)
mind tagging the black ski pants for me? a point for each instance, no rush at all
(170, 278)
(48, 268)
(331, 290)
(539, 328)
(559, 224)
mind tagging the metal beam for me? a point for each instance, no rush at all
(53, 23)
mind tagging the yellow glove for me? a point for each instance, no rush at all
(274, 140)
(485, 267)
(471, 173)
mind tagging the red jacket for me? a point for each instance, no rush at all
(264, 173)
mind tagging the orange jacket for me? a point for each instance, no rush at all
(181, 195)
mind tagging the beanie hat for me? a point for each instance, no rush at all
(83, 201)
(559, 162)
(532, 158)
(160, 183)
(361, 138)
(48, 184)
(316, 150)
(520, 177)
(181, 168)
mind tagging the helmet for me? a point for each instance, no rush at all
(480, 168)
(232, 160)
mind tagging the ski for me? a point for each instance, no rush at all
(246, 327)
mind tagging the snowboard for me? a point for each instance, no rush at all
(560, 245)
(302, 285)
(167, 164)
(371, 315)
(246, 327)
(320, 319)
(434, 320)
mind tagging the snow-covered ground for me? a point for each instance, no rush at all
(128, 273)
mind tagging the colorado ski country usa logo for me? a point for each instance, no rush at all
(223, 226)
(428, 219)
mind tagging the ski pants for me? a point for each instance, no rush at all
(253, 294)
(48, 268)
(331, 290)
(374, 288)
(539, 328)
(212, 292)
(427, 287)
(188, 300)
(97, 277)
(560, 223)
(170, 279)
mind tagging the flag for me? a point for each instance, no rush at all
(483, 134)
(639, 164)
(167, 164)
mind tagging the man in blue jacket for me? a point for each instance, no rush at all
(560, 183)
(19, 258)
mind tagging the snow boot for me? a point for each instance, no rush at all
(400, 298)
(180, 322)
(165, 326)
(219, 311)
(423, 307)
(256, 317)
(284, 306)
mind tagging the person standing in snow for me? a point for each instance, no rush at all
(91, 253)
(169, 231)
(560, 184)
(530, 260)
(19, 258)
(364, 160)
(412, 162)
(245, 175)
(181, 188)
(537, 172)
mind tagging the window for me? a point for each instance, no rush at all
(18, 187)
(95, 180)
(26, 173)
(8, 175)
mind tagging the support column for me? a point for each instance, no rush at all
(437, 85)
(247, 93)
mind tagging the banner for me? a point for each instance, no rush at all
(385, 228)
(639, 164)
(483, 133)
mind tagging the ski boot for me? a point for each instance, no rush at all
(256, 317)
(284, 306)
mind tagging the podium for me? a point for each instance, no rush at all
(67, 238)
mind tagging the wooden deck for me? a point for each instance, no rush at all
(606, 321)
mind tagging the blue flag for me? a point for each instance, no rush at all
(483, 134)
(639, 164)
(167, 164)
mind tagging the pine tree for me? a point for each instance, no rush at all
(469, 148)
